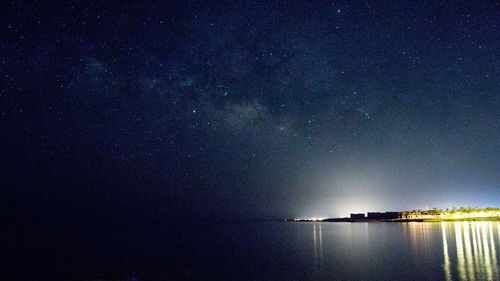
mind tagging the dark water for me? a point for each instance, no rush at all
(272, 251)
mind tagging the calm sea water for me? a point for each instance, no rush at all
(281, 251)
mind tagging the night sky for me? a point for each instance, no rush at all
(247, 109)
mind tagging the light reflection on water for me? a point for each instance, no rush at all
(446, 257)
(318, 244)
(465, 251)
(462, 250)
(475, 248)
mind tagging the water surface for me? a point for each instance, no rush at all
(271, 251)
(349, 251)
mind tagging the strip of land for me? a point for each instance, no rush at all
(434, 215)
(393, 220)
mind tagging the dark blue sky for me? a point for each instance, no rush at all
(248, 109)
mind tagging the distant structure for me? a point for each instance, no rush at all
(384, 216)
(411, 215)
(374, 215)
(392, 215)
(358, 216)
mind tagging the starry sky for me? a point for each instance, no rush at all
(247, 109)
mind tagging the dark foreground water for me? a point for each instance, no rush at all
(267, 251)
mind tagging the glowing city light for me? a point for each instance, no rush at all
(451, 215)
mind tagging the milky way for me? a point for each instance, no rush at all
(249, 109)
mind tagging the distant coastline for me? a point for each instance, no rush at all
(434, 215)
(393, 220)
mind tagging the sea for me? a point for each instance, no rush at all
(265, 250)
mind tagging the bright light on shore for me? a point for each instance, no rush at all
(310, 219)
(457, 215)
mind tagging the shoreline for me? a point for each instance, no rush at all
(394, 220)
